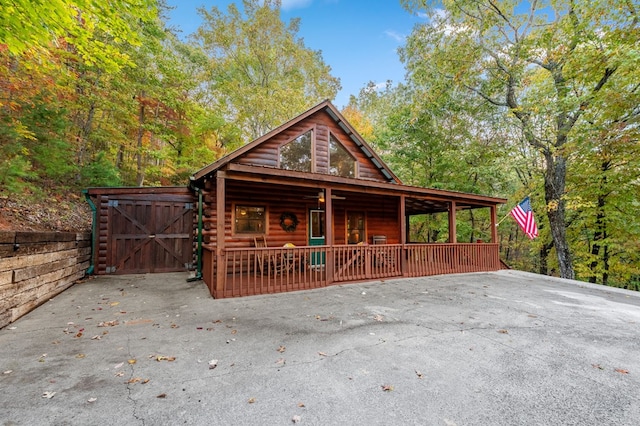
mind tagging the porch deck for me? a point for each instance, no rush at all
(253, 271)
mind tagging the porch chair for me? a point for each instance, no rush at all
(268, 262)
(260, 255)
(383, 259)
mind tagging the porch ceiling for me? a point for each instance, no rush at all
(415, 206)
(418, 200)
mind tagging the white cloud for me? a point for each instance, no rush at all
(376, 87)
(295, 4)
(394, 35)
(440, 14)
(439, 20)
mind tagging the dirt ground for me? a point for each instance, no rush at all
(69, 213)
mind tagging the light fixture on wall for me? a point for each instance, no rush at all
(321, 196)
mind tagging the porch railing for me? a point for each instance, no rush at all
(437, 259)
(251, 271)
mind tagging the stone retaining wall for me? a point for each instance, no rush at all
(36, 266)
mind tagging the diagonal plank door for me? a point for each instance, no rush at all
(149, 235)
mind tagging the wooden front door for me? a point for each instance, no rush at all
(148, 235)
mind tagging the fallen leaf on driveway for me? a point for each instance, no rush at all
(419, 374)
(48, 394)
(251, 400)
(213, 364)
(378, 317)
(281, 349)
(621, 371)
(322, 354)
(108, 323)
(96, 337)
(162, 395)
(132, 361)
(92, 399)
(118, 365)
(598, 366)
(296, 419)
(503, 331)
(387, 388)
(7, 372)
(281, 361)
(301, 404)
(165, 358)
(80, 356)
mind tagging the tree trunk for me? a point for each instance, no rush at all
(473, 226)
(544, 265)
(141, 117)
(598, 236)
(554, 186)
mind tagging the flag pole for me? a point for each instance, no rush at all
(501, 220)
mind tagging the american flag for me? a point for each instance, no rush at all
(523, 214)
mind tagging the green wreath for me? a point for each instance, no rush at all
(288, 221)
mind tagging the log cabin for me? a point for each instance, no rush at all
(310, 204)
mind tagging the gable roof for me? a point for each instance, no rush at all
(335, 115)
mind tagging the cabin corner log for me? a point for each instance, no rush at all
(36, 266)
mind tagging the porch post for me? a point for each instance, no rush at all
(402, 220)
(221, 199)
(328, 234)
(494, 227)
(452, 222)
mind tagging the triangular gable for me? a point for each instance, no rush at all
(337, 118)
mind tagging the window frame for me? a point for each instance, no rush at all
(333, 137)
(308, 129)
(248, 205)
(363, 236)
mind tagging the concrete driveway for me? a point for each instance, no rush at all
(505, 348)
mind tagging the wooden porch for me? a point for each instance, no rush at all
(253, 271)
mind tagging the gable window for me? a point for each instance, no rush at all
(296, 155)
(341, 163)
(250, 219)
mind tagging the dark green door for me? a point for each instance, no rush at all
(316, 236)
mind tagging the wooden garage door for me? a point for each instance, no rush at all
(150, 235)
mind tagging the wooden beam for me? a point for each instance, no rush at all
(404, 230)
(221, 273)
(244, 172)
(452, 223)
(494, 227)
(328, 233)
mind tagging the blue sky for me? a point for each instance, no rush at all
(358, 38)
